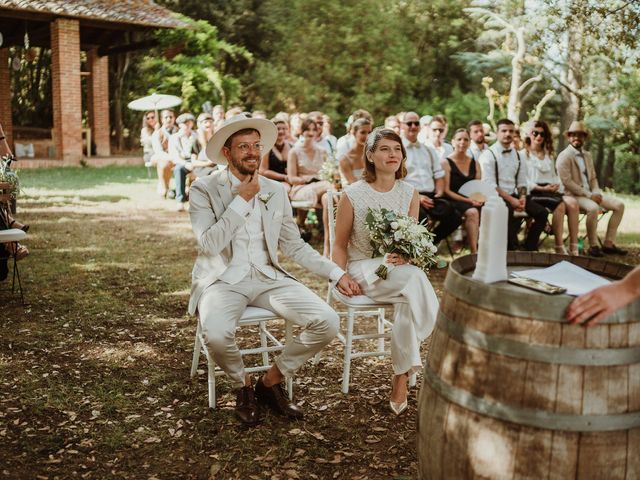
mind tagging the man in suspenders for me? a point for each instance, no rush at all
(503, 169)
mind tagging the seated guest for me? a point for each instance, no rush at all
(183, 148)
(478, 141)
(303, 166)
(436, 134)
(503, 169)
(425, 173)
(545, 186)
(149, 126)
(352, 162)
(218, 116)
(575, 169)
(274, 164)
(205, 128)
(392, 123)
(347, 140)
(161, 157)
(327, 142)
(407, 286)
(459, 168)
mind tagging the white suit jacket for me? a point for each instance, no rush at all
(215, 225)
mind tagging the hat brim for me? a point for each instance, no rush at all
(268, 134)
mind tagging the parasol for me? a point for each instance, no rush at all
(155, 101)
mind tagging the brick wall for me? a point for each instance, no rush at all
(98, 101)
(5, 97)
(67, 94)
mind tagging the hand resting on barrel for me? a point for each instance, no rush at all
(592, 307)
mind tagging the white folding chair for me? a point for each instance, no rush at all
(11, 237)
(252, 316)
(360, 305)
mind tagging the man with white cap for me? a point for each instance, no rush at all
(576, 171)
(240, 220)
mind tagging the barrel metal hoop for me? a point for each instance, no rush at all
(528, 416)
(590, 357)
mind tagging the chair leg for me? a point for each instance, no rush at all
(381, 329)
(264, 344)
(412, 380)
(347, 351)
(289, 339)
(196, 352)
(16, 273)
(211, 380)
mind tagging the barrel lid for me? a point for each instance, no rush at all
(508, 299)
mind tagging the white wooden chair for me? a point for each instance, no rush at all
(252, 316)
(360, 305)
(11, 237)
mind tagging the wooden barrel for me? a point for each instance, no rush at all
(511, 390)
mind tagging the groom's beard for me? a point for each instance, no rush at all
(244, 169)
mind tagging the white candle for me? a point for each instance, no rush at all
(491, 265)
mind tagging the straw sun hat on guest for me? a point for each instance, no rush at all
(268, 134)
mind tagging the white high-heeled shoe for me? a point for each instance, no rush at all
(398, 407)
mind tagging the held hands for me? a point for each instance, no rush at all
(348, 286)
(396, 259)
(249, 187)
(516, 203)
(596, 197)
(426, 202)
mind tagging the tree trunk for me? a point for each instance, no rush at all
(572, 77)
(122, 61)
(599, 159)
(607, 181)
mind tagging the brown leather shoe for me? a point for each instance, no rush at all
(595, 252)
(246, 407)
(277, 400)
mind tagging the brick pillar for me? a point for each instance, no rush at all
(98, 102)
(67, 92)
(5, 97)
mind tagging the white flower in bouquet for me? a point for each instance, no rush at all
(391, 232)
(330, 170)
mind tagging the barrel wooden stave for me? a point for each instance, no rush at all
(455, 442)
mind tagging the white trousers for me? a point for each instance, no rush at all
(592, 209)
(414, 314)
(222, 305)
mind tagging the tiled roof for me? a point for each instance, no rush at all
(138, 12)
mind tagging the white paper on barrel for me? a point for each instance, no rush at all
(565, 274)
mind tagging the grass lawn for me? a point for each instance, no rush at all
(95, 370)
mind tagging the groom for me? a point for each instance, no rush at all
(240, 219)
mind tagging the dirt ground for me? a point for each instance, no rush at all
(94, 371)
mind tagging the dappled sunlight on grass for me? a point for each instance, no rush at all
(180, 293)
(121, 355)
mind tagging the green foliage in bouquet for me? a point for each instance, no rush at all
(9, 176)
(392, 232)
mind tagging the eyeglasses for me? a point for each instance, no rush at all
(247, 147)
(412, 124)
(537, 133)
(440, 130)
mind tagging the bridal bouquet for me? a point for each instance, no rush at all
(392, 232)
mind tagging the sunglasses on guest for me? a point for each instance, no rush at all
(537, 133)
(412, 124)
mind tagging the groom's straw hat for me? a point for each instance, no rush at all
(268, 134)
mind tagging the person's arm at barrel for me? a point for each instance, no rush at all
(592, 307)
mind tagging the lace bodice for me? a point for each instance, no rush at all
(362, 197)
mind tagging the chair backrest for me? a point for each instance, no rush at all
(332, 196)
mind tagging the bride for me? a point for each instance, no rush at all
(406, 286)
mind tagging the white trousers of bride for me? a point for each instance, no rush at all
(415, 308)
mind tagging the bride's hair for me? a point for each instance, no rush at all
(373, 139)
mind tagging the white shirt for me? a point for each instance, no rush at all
(540, 170)
(345, 143)
(582, 166)
(475, 151)
(443, 150)
(508, 168)
(181, 147)
(249, 246)
(423, 166)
